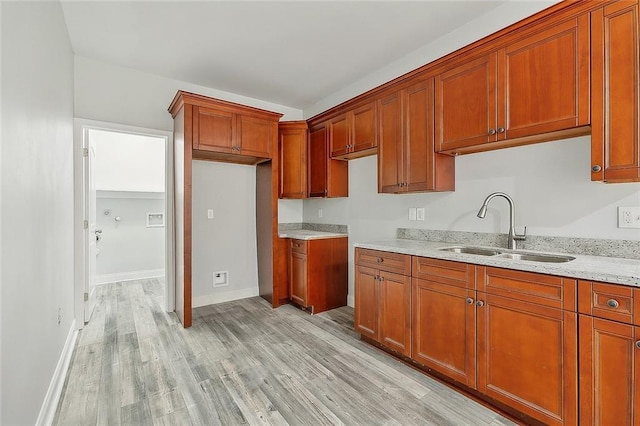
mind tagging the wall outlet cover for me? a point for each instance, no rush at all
(628, 217)
(420, 213)
(220, 278)
(412, 213)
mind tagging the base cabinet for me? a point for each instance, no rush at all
(318, 273)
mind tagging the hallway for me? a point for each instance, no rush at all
(242, 363)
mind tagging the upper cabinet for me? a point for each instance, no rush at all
(292, 144)
(615, 128)
(225, 131)
(327, 177)
(353, 134)
(407, 161)
(533, 88)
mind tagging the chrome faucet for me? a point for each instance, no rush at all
(513, 237)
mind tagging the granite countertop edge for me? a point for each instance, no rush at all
(305, 234)
(594, 268)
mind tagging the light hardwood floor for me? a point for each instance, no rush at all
(243, 363)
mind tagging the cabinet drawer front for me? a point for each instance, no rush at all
(546, 290)
(384, 261)
(444, 271)
(298, 246)
(610, 301)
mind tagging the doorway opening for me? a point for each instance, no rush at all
(124, 210)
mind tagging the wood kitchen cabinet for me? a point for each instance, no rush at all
(533, 88)
(353, 134)
(609, 354)
(318, 273)
(443, 318)
(615, 127)
(327, 177)
(527, 343)
(407, 161)
(383, 298)
(292, 144)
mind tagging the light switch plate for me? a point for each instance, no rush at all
(320, 213)
(628, 217)
(412, 213)
(210, 214)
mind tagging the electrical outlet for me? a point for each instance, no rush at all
(220, 278)
(320, 213)
(210, 214)
(420, 213)
(628, 217)
(59, 315)
(412, 213)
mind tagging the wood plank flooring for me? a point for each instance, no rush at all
(243, 363)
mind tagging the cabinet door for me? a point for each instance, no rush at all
(527, 358)
(419, 152)
(466, 104)
(339, 135)
(254, 135)
(364, 127)
(293, 163)
(615, 125)
(366, 302)
(213, 130)
(390, 149)
(609, 373)
(395, 312)
(298, 278)
(444, 329)
(545, 81)
(318, 158)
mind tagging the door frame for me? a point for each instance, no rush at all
(80, 128)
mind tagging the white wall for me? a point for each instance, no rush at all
(128, 248)
(36, 204)
(228, 241)
(290, 211)
(127, 162)
(549, 182)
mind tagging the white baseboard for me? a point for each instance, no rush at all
(228, 296)
(351, 301)
(129, 276)
(52, 398)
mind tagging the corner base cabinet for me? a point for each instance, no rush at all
(318, 273)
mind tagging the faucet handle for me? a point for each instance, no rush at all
(522, 236)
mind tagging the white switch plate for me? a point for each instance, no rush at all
(628, 217)
(412, 213)
(210, 214)
(320, 213)
(420, 213)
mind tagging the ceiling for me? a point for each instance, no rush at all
(292, 53)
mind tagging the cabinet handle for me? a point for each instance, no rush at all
(479, 303)
(379, 260)
(381, 278)
(492, 132)
(596, 168)
(500, 129)
(613, 303)
(469, 301)
(638, 344)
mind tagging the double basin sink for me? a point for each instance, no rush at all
(511, 254)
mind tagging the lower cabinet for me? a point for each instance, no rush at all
(383, 299)
(318, 273)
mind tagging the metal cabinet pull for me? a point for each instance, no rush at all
(638, 344)
(596, 168)
(613, 303)
(479, 303)
(500, 129)
(469, 301)
(379, 260)
(492, 132)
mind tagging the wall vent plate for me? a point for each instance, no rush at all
(154, 220)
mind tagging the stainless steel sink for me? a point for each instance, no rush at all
(471, 250)
(535, 257)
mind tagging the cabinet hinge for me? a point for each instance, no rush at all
(85, 224)
(86, 297)
(85, 152)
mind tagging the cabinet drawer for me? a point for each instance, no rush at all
(384, 261)
(444, 271)
(609, 301)
(298, 246)
(546, 290)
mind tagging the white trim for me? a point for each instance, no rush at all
(351, 301)
(227, 296)
(104, 193)
(80, 124)
(129, 276)
(52, 398)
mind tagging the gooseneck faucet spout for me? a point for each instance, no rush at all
(513, 237)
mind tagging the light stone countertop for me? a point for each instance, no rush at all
(597, 268)
(307, 234)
